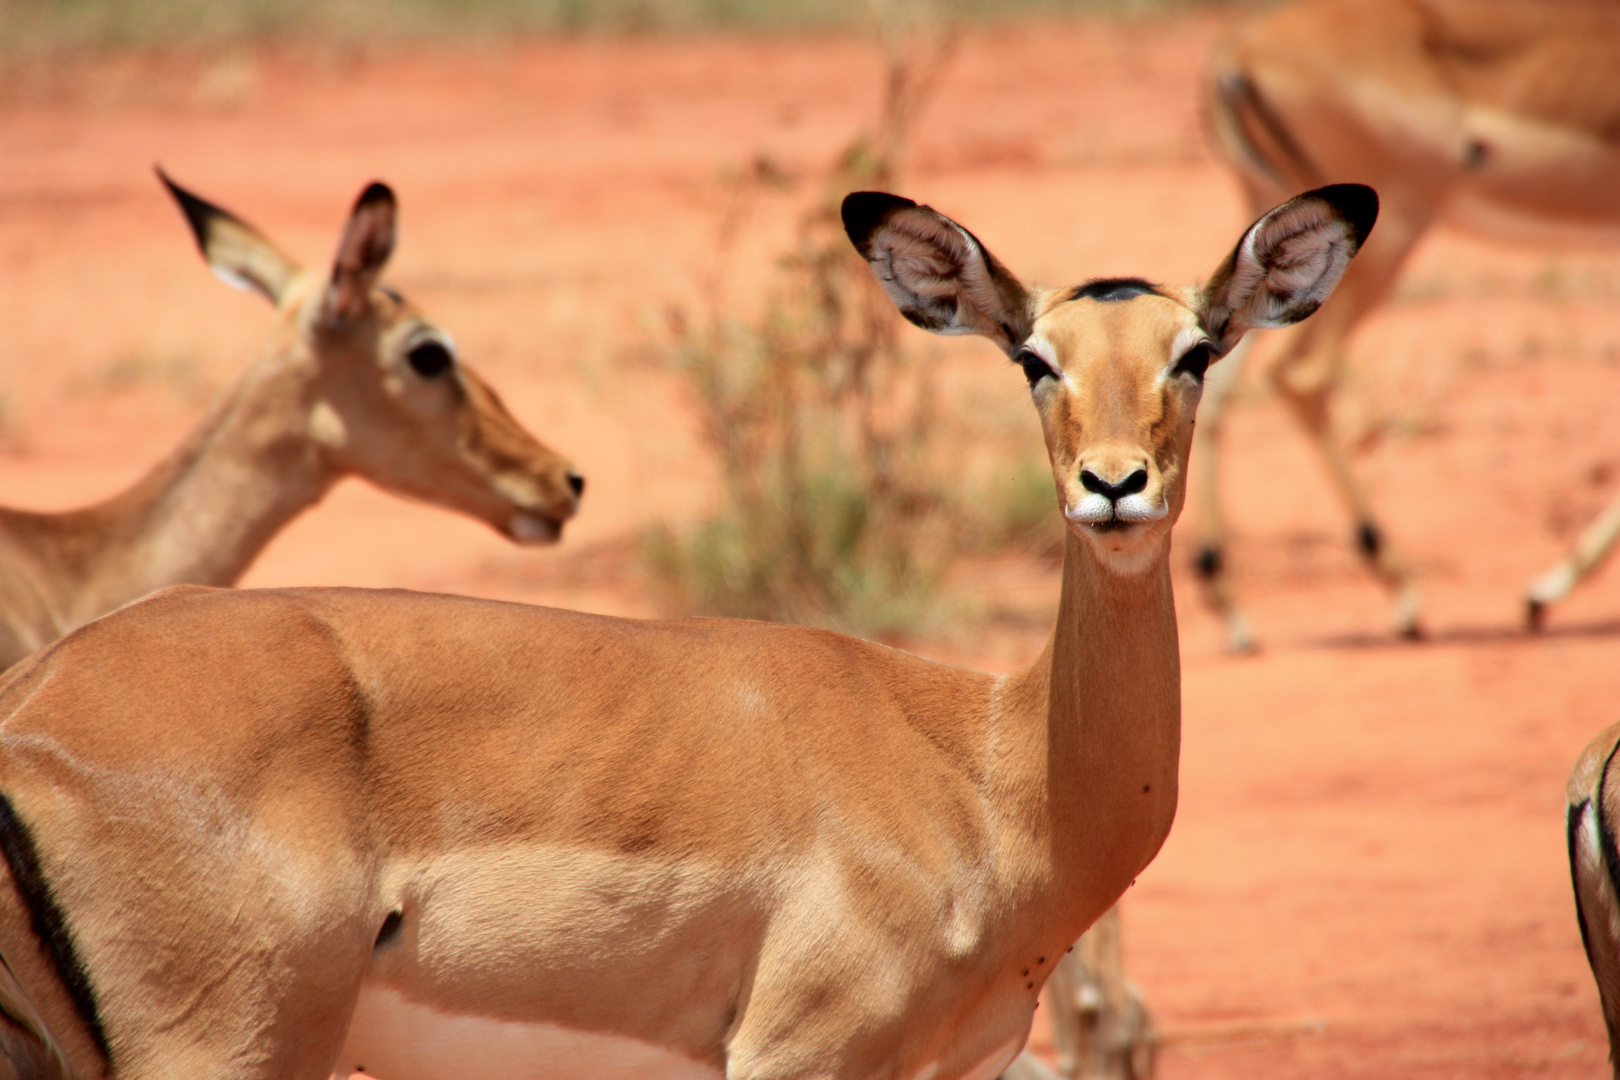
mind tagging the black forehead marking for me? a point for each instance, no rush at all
(1110, 289)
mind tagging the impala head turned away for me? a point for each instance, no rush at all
(387, 397)
(1115, 365)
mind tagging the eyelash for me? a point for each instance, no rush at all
(1035, 369)
(1194, 362)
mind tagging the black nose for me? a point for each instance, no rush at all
(576, 484)
(1114, 492)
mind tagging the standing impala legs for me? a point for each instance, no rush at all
(1591, 551)
(1305, 374)
(354, 381)
(1100, 1027)
(1487, 115)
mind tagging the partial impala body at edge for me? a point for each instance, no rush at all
(427, 836)
(1498, 115)
(1593, 824)
(354, 380)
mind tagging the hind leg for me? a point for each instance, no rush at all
(1100, 1026)
(1306, 376)
(1590, 552)
(206, 954)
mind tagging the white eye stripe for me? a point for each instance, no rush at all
(1185, 341)
(1042, 348)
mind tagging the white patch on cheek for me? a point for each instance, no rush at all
(326, 427)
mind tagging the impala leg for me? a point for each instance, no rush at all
(1308, 372)
(1100, 1026)
(1203, 478)
(1590, 551)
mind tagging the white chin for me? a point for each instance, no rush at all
(533, 529)
(1124, 547)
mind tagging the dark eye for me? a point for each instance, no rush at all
(1194, 362)
(429, 359)
(1035, 369)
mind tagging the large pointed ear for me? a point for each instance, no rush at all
(368, 240)
(236, 251)
(936, 272)
(1288, 262)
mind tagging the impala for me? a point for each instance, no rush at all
(282, 833)
(1594, 863)
(353, 380)
(1498, 115)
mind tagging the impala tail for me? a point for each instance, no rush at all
(1248, 131)
(1594, 859)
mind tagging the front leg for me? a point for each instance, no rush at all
(1203, 479)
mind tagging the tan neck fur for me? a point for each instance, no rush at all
(200, 516)
(1105, 697)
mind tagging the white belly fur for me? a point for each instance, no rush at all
(394, 1039)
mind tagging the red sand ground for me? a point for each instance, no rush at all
(1366, 878)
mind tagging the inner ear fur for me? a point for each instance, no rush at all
(368, 241)
(1288, 262)
(937, 273)
(238, 253)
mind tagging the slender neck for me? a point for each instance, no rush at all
(1104, 709)
(205, 512)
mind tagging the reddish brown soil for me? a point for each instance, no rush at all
(1367, 875)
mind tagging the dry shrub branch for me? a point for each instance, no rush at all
(824, 426)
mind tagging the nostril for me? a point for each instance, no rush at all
(576, 484)
(1131, 485)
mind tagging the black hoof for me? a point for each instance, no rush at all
(1535, 615)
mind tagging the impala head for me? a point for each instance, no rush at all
(387, 397)
(1115, 365)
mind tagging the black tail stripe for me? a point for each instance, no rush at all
(50, 925)
(1240, 91)
(1572, 828)
(1611, 854)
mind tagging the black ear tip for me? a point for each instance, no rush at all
(376, 193)
(1357, 203)
(199, 212)
(864, 211)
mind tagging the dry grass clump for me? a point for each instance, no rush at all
(824, 426)
(846, 491)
